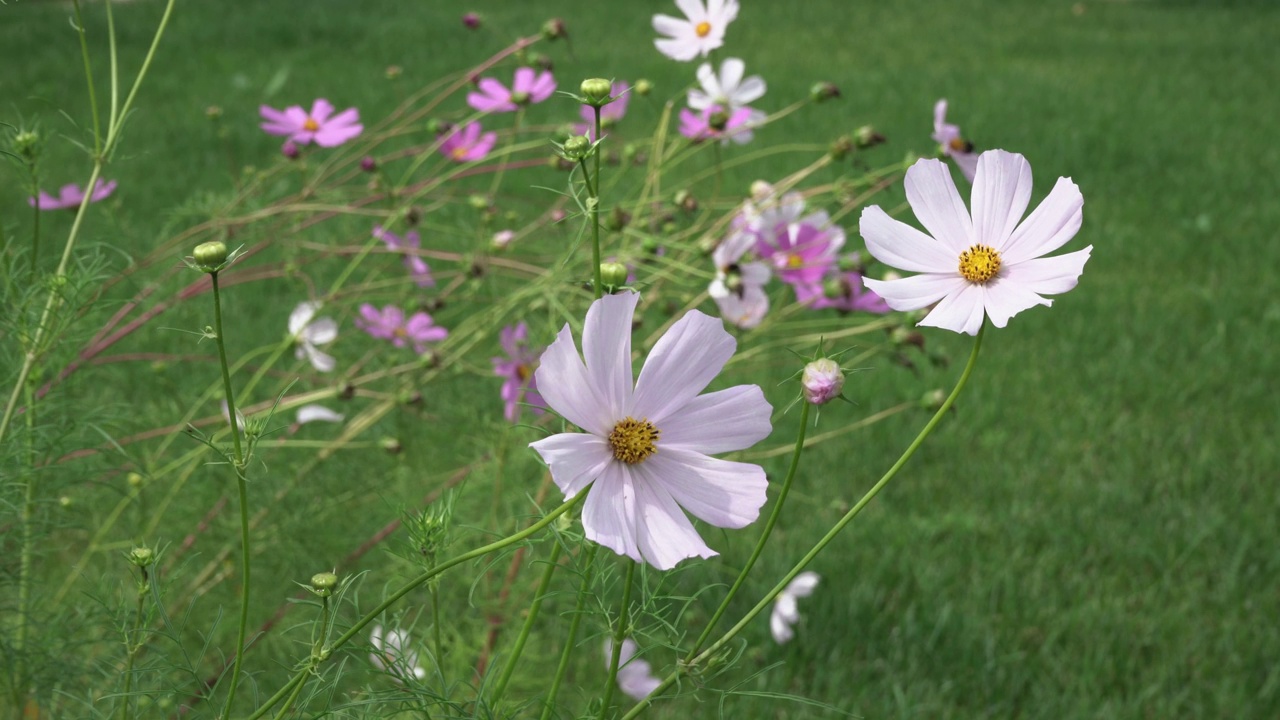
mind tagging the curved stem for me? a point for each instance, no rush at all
(88, 76)
(619, 634)
(535, 607)
(570, 641)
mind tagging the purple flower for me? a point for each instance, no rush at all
(70, 196)
(528, 87)
(389, 324)
(468, 144)
(320, 126)
(609, 114)
(802, 252)
(853, 295)
(418, 268)
(953, 145)
(517, 371)
(698, 126)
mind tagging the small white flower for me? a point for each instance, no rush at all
(391, 653)
(312, 413)
(635, 676)
(727, 89)
(785, 613)
(699, 33)
(739, 287)
(309, 331)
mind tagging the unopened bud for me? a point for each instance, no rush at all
(391, 445)
(823, 91)
(134, 480)
(541, 61)
(933, 400)
(822, 381)
(596, 91)
(686, 201)
(576, 147)
(617, 219)
(368, 164)
(503, 238)
(290, 150)
(472, 21)
(642, 87)
(613, 275)
(322, 584)
(554, 29)
(718, 121)
(142, 556)
(210, 256)
(841, 147)
(761, 191)
(866, 136)
(834, 287)
(478, 202)
(394, 71)
(851, 262)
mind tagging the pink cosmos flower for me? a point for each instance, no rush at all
(853, 295)
(697, 126)
(635, 676)
(70, 196)
(320, 125)
(389, 324)
(802, 252)
(645, 452)
(516, 369)
(989, 265)
(527, 88)
(468, 144)
(609, 114)
(953, 145)
(738, 288)
(418, 268)
(699, 33)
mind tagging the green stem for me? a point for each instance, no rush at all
(35, 226)
(288, 703)
(24, 562)
(133, 644)
(535, 607)
(619, 634)
(821, 544)
(435, 626)
(506, 158)
(570, 642)
(88, 75)
(764, 536)
(416, 582)
(594, 205)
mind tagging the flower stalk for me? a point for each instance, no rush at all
(619, 634)
(570, 641)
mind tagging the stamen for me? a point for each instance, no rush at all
(979, 264)
(703, 28)
(633, 440)
(310, 125)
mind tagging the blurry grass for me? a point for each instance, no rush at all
(1093, 533)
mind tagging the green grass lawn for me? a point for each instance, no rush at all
(1092, 534)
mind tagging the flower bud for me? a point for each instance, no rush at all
(502, 238)
(933, 400)
(541, 61)
(618, 219)
(761, 190)
(134, 480)
(472, 21)
(642, 87)
(834, 287)
(576, 147)
(613, 275)
(718, 121)
(851, 262)
(26, 143)
(391, 445)
(290, 150)
(210, 256)
(368, 164)
(822, 381)
(554, 29)
(324, 582)
(841, 147)
(686, 201)
(478, 202)
(823, 91)
(436, 126)
(866, 136)
(596, 91)
(142, 556)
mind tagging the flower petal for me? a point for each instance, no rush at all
(319, 359)
(1049, 275)
(681, 365)
(664, 534)
(724, 493)
(933, 196)
(803, 584)
(302, 315)
(321, 332)
(1049, 226)
(313, 413)
(751, 89)
(718, 422)
(960, 312)
(1003, 299)
(564, 383)
(609, 513)
(916, 292)
(899, 245)
(606, 346)
(575, 459)
(1001, 191)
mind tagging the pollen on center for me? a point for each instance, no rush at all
(633, 440)
(310, 125)
(703, 28)
(979, 264)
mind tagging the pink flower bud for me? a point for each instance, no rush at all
(822, 381)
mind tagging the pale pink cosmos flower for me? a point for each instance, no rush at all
(785, 613)
(726, 89)
(320, 125)
(635, 676)
(392, 654)
(468, 144)
(697, 126)
(802, 252)
(645, 452)
(517, 370)
(738, 288)
(503, 238)
(700, 32)
(308, 331)
(953, 145)
(850, 295)
(609, 114)
(70, 196)
(418, 268)
(985, 266)
(389, 323)
(527, 87)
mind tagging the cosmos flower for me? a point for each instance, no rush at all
(714, 124)
(389, 324)
(516, 369)
(727, 89)
(527, 88)
(989, 265)
(320, 125)
(635, 676)
(308, 331)
(609, 114)
(699, 33)
(802, 252)
(738, 289)
(785, 613)
(952, 144)
(468, 144)
(418, 268)
(391, 653)
(70, 196)
(843, 291)
(645, 452)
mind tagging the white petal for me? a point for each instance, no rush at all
(609, 513)
(321, 332)
(575, 459)
(732, 248)
(746, 311)
(933, 196)
(968, 164)
(664, 535)
(680, 49)
(1001, 191)
(1050, 275)
(1004, 299)
(319, 359)
(724, 493)
(916, 292)
(803, 584)
(710, 84)
(564, 383)
(669, 26)
(755, 273)
(1049, 226)
(960, 312)
(312, 413)
(693, 9)
(681, 364)
(717, 422)
(302, 315)
(751, 89)
(780, 628)
(606, 346)
(899, 245)
(699, 100)
(731, 72)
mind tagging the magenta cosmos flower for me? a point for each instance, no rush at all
(952, 144)
(843, 291)
(389, 324)
(645, 452)
(418, 268)
(705, 125)
(987, 265)
(516, 370)
(802, 252)
(700, 32)
(527, 88)
(320, 125)
(609, 114)
(468, 144)
(70, 196)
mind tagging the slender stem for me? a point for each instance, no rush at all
(870, 495)
(593, 195)
(24, 562)
(288, 703)
(535, 607)
(115, 68)
(113, 132)
(506, 158)
(619, 634)
(435, 625)
(88, 75)
(764, 536)
(35, 225)
(570, 640)
(133, 644)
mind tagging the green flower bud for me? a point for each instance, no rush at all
(834, 288)
(613, 275)
(686, 201)
(718, 121)
(642, 87)
(554, 29)
(932, 400)
(596, 91)
(26, 143)
(322, 584)
(576, 148)
(823, 91)
(135, 480)
(142, 556)
(866, 136)
(210, 257)
(841, 147)
(478, 202)
(617, 219)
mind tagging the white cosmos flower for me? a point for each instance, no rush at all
(739, 287)
(635, 676)
(312, 413)
(391, 653)
(727, 89)
(309, 331)
(646, 450)
(699, 33)
(785, 613)
(989, 265)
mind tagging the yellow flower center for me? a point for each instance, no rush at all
(310, 125)
(960, 145)
(459, 152)
(633, 440)
(400, 332)
(979, 264)
(523, 372)
(795, 261)
(703, 28)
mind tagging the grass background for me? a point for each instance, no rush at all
(1092, 534)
